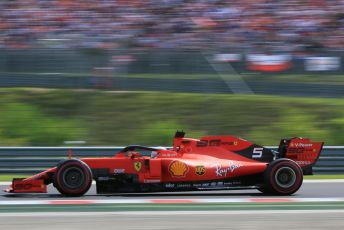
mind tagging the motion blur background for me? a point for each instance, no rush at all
(118, 72)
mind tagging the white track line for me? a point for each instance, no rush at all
(325, 181)
(271, 200)
(168, 213)
(5, 183)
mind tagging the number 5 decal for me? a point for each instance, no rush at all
(257, 153)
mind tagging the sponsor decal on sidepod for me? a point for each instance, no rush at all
(178, 169)
(223, 171)
(200, 170)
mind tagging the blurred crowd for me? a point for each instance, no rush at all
(272, 25)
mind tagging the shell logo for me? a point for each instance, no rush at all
(178, 169)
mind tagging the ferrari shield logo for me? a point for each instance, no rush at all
(137, 166)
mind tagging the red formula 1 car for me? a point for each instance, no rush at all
(212, 162)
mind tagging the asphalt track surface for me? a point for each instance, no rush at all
(182, 220)
(306, 215)
(309, 189)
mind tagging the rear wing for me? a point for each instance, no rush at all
(302, 150)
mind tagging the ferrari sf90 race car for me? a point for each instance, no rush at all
(211, 162)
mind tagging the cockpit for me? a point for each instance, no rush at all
(134, 151)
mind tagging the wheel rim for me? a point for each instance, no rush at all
(73, 177)
(285, 177)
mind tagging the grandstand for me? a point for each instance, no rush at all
(259, 25)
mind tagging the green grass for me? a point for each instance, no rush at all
(324, 177)
(299, 78)
(174, 207)
(41, 117)
(10, 177)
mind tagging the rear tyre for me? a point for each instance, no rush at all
(73, 178)
(283, 177)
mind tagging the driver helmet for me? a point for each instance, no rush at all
(155, 153)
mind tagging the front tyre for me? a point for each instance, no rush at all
(73, 178)
(283, 177)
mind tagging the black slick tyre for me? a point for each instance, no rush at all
(283, 177)
(73, 178)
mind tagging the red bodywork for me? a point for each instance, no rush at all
(191, 163)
